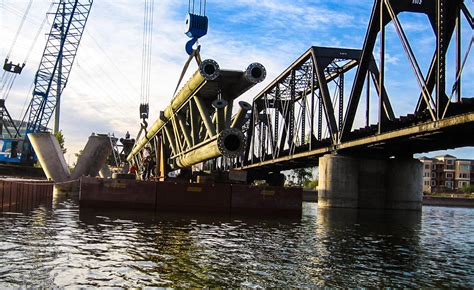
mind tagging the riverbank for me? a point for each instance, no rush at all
(312, 196)
(448, 201)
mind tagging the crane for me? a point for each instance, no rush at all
(51, 78)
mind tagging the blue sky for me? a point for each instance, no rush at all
(103, 89)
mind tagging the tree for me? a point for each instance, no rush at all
(313, 184)
(303, 175)
(60, 137)
(78, 154)
(468, 188)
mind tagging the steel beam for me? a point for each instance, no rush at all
(229, 143)
(208, 71)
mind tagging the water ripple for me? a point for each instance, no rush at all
(63, 246)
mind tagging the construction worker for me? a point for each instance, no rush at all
(146, 159)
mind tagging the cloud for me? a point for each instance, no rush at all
(103, 92)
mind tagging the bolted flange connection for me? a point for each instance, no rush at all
(255, 73)
(231, 143)
(209, 69)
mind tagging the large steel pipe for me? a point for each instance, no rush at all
(208, 70)
(254, 74)
(239, 118)
(204, 87)
(220, 106)
(229, 143)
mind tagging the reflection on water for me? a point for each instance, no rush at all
(63, 246)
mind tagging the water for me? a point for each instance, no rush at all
(63, 246)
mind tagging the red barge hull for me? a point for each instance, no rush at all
(172, 196)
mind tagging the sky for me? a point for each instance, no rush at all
(103, 91)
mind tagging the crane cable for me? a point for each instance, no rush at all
(20, 27)
(10, 78)
(38, 32)
(147, 51)
(202, 7)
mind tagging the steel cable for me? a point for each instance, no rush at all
(38, 33)
(20, 27)
(147, 51)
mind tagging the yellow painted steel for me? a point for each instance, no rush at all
(206, 152)
(194, 83)
(229, 143)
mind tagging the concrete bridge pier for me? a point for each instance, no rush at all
(351, 182)
(404, 184)
(50, 156)
(93, 157)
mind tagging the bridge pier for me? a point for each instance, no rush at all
(351, 182)
(404, 184)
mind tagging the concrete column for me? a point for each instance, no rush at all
(372, 184)
(349, 182)
(93, 157)
(50, 156)
(338, 181)
(404, 184)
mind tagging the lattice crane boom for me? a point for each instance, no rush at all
(57, 60)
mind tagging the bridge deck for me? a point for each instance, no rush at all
(452, 132)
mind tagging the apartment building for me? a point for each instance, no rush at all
(446, 173)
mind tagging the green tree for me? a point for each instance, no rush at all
(78, 154)
(312, 184)
(468, 188)
(303, 175)
(60, 137)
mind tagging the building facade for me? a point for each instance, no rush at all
(446, 173)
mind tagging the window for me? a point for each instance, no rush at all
(427, 166)
(434, 166)
(449, 175)
(433, 183)
(426, 174)
(462, 184)
(449, 162)
(427, 183)
(464, 167)
(433, 174)
(449, 184)
(463, 175)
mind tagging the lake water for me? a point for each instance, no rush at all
(64, 246)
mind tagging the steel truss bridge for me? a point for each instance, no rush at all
(303, 114)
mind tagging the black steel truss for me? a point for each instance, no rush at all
(444, 17)
(297, 111)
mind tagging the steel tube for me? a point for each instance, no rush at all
(228, 113)
(211, 129)
(220, 106)
(185, 130)
(170, 136)
(254, 74)
(239, 118)
(208, 71)
(229, 143)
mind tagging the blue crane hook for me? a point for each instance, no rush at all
(196, 27)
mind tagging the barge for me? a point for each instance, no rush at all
(191, 197)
